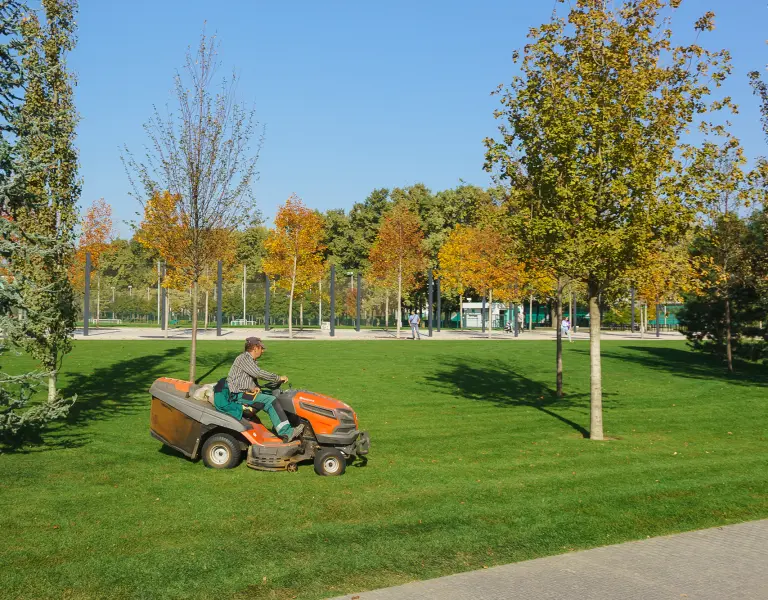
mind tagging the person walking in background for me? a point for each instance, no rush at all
(414, 321)
(521, 319)
(567, 328)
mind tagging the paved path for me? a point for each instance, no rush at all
(154, 333)
(713, 564)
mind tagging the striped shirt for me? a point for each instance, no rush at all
(245, 373)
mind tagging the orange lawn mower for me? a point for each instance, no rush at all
(184, 420)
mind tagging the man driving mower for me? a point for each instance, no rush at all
(242, 396)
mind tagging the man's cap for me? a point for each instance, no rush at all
(254, 341)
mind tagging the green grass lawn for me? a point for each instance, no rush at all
(473, 463)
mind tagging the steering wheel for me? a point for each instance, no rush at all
(275, 385)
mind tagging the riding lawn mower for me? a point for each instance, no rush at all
(195, 428)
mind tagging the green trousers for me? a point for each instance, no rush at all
(232, 403)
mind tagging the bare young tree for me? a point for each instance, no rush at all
(204, 150)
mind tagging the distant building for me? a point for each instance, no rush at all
(473, 314)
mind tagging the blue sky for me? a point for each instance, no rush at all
(354, 95)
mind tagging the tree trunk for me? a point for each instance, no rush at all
(595, 371)
(461, 311)
(559, 333)
(206, 310)
(530, 314)
(658, 319)
(301, 315)
(193, 349)
(553, 316)
(290, 299)
(399, 297)
(52, 385)
(320, 304)
(245, 289)
(490, 313)
(728, 348)
(386, 311)
(167, 311)
(98, 299)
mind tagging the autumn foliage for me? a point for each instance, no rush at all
(456, 259)
(481, 258)
(96, 235)
(187, 253)
(294, 250)
(397, 255)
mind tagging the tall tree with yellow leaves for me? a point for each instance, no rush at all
(666, 273)
(494, 269)
(397, 254)
(294, 250)
(455, 260)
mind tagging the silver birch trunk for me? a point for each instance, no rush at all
(167, 311)
(386, 311)
(490, 314)
(301, 315)
(159, 283)
(399, 296)
(290, 298)
(206, 310)
(98, 299)
(595, 370)
(461, 310)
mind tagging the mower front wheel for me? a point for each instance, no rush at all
(330, 462)
(221, 451)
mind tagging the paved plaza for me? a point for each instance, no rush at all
(712, 564)
(281, 333)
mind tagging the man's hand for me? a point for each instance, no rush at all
(256, 390)
(283, 379)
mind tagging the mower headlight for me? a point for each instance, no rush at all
(318, 410)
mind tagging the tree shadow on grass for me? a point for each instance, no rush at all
(213, 362)
(495, 382)
(117, 389)
(688, 364)
(106, 393)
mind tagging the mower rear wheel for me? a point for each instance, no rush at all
(221, 451)
(330, 462)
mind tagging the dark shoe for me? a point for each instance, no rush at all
(297, 433)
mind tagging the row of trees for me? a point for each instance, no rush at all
(598, 188)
